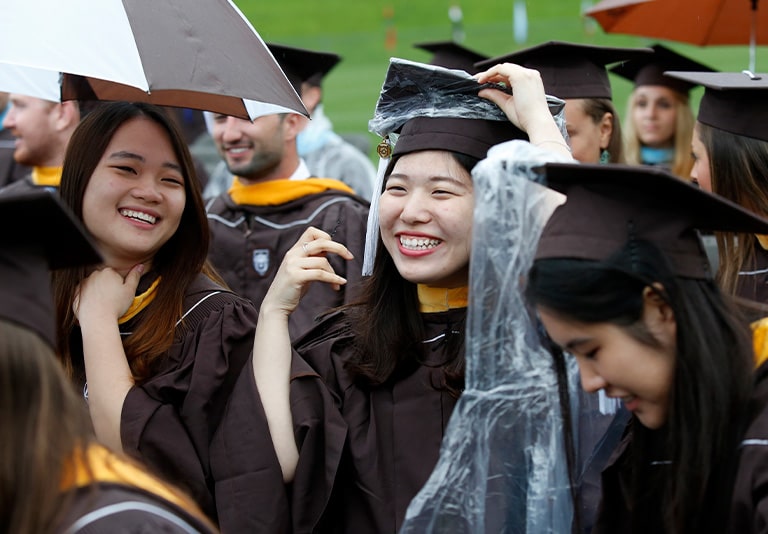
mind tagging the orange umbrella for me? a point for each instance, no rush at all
(700, 22)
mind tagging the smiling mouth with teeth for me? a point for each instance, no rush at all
(418, 243)
(139, 216)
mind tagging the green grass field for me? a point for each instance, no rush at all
(357, 30)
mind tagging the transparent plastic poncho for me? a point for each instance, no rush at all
(502, 465)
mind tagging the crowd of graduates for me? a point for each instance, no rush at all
(281, 346)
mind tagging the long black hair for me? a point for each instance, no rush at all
(711, 389)
(388, 327)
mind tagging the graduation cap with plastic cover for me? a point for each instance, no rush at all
(413, 89)
(649, 69)
(429, 107)
(736, 102)
(452, 55)
(608, 206)
(40, 233)
(302, 65)
(570, 70)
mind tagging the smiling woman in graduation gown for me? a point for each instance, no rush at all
(151, 337)
(357, 408)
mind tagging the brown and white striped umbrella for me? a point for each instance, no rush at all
(196, 54)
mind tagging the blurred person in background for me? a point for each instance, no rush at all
(658, 126)
(10, 171)
(577, 73)
(273, 198)
(325, 153)
(730, 152)
(42, 130)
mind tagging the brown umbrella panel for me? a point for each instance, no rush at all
(201, 55)
(75, 87)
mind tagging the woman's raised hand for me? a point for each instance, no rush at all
(527, 106)
(304, 263)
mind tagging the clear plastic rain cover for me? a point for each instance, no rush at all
(413, 89)
(502, 466)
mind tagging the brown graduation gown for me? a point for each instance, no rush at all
(749, 505)
(364, 453)
(749, 501)
(108, 508)
(249, 242)
(394, 430)
(753, 279)
(169, 421)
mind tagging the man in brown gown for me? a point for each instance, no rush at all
(272, 201)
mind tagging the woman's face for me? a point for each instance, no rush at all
(610, 359)
(587, 138)
(425, 214)
(654, 114)
(135, 198)
(700, 173)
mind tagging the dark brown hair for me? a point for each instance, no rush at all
(46, 433)
(42, 422)
(178, 261)
(738, 167)
(595, 109)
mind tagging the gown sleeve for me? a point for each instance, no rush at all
(749, 503)
(168, 421)
(250, 490)
(321, 434)
(109, 508)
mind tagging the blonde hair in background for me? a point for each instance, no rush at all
(683, 162)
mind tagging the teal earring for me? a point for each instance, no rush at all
(605, 156)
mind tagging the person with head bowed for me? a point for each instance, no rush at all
(55, 476)
(577, 73)
(658, 126)
(358, 406)
(622, 283)
(151, 336)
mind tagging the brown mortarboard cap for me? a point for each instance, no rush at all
(735, 102)
(649, 69)
(301, 65)
(607, 206)
(452, 55)
(433, 107)
(54, 239)
(570, 70)
(472, 137)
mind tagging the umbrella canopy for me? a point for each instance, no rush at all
(201, 55)
(699, 22)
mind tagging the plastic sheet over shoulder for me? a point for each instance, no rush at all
(413, 89)
(502, 465)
